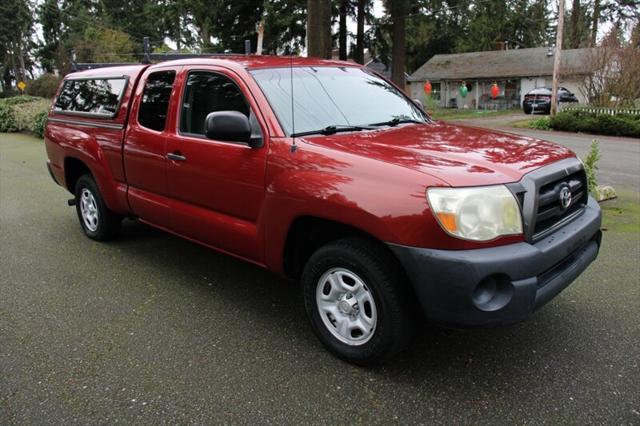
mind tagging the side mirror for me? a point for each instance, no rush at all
(418, 102)
(232, 126)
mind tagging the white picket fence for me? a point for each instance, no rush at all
(599, 110)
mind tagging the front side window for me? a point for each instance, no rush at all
(208, 92)
(91, 96)
(332, 96)
(155, 100)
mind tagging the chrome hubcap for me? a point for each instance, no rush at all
(89, 210)
(346, 306)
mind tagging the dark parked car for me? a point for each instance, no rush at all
(539, 100)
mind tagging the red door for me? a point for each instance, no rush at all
(145, 148)
(216, 187)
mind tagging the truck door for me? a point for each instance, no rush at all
(145, 146)
(216, 187)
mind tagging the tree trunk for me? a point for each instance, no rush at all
(398, 38)
(179, 34)
(326, 28)
(319, 28)
(206, 37)
(556, 59)
(342, 37)
(575, 22)
(596, 18)
(359, 56)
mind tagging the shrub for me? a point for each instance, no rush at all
(22, 113)
(17, 100)
(540, 124)
(44, 86)
(38, 124)
(591, 166)
(7, 119)
(602, 124)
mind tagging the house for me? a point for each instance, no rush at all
(515, 71)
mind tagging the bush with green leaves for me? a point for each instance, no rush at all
(44, 86)
(591, 166)
(38, 124)
(601, 124)
(541, 123)
(7, 119)
(23, 113)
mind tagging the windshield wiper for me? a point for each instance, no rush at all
(395, 121)
(330, 130)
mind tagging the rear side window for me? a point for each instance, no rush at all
(99, 97)
(155, 100)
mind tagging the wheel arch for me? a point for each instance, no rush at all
(73, 169)
(308, 233)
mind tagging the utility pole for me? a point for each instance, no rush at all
(556, 58)
(260, 37)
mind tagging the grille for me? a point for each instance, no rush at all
(550, 211)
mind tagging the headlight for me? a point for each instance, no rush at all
(479, 213)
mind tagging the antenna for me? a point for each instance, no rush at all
(294, 147)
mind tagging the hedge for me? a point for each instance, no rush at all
(24, 113)
(44, 86)
(600, 124)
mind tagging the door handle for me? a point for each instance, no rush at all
(176, 157)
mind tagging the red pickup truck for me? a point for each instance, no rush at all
(327, 174)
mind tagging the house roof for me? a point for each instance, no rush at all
(500, 63)
(377, 64)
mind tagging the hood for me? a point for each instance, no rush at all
(459, 155)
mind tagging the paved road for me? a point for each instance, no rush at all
(620, 157)
(153, 329)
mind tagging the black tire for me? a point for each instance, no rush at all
(107, 224)
(387, 283)
(527, 110)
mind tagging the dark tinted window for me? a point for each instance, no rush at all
(208, 92)
(155, 100)
(96, 96)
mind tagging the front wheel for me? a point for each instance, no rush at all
(357, 300)
(97, 221)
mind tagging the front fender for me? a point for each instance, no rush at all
(385, 201)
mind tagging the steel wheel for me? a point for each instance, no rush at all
(346, 306)
(89, 210)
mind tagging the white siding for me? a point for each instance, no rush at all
(527, 84)
(574, 87)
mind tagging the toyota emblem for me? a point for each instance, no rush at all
(565, 197)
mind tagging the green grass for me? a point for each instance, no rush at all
(622, 215)
(461, 114)
(522, 124)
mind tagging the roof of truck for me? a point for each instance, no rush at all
(260, 61)
(232, 61)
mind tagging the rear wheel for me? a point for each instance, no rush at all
(357, 301)
(97, 221)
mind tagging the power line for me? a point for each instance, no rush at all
(55, 8)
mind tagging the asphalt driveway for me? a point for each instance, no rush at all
(153, 329)
(620, 157)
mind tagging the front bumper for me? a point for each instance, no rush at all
(505, 284)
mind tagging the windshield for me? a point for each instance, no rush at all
(333, 96)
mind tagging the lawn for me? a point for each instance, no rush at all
(622, 214)
(460, 114)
